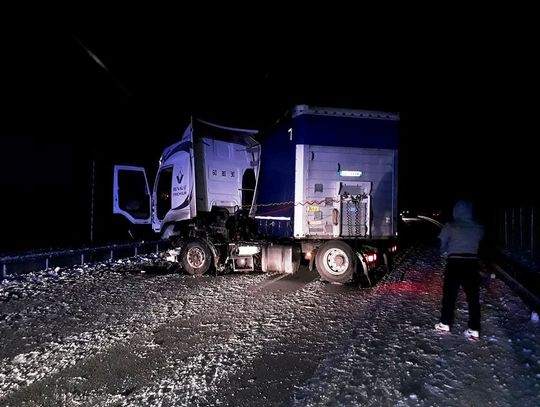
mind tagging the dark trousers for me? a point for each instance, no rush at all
(464, 273)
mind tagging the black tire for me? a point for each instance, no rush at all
(336, 262)
(196, 257)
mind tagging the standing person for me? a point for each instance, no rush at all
(460, 240)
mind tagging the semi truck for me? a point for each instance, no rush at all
(319, 184)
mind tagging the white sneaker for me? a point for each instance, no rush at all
(471, 334)
(442, 327)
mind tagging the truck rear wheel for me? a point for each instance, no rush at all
(196, 257)
(336, 262)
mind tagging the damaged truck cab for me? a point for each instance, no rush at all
(321, 183)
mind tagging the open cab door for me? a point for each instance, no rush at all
(131, 195)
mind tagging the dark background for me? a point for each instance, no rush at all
(467, 95)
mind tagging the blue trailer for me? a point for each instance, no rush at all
(321, 183)
(328, 180)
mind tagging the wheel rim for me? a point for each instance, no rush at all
(336, 261)
(195, 257)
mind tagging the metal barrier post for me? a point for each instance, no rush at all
(533, 242)
(505, 222)
(521, 231)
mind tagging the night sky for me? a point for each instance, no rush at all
(467, 106)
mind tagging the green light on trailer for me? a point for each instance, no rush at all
(343, 173)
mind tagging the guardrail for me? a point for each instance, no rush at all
(530, 298)
(26, 262)
(518, 235)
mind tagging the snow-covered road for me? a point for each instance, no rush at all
(113, 336)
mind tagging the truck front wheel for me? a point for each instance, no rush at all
(335, 262)
(196, 257)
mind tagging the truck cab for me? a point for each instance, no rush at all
(202, 180)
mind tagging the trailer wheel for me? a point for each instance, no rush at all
(196, 257)
(335, 262)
